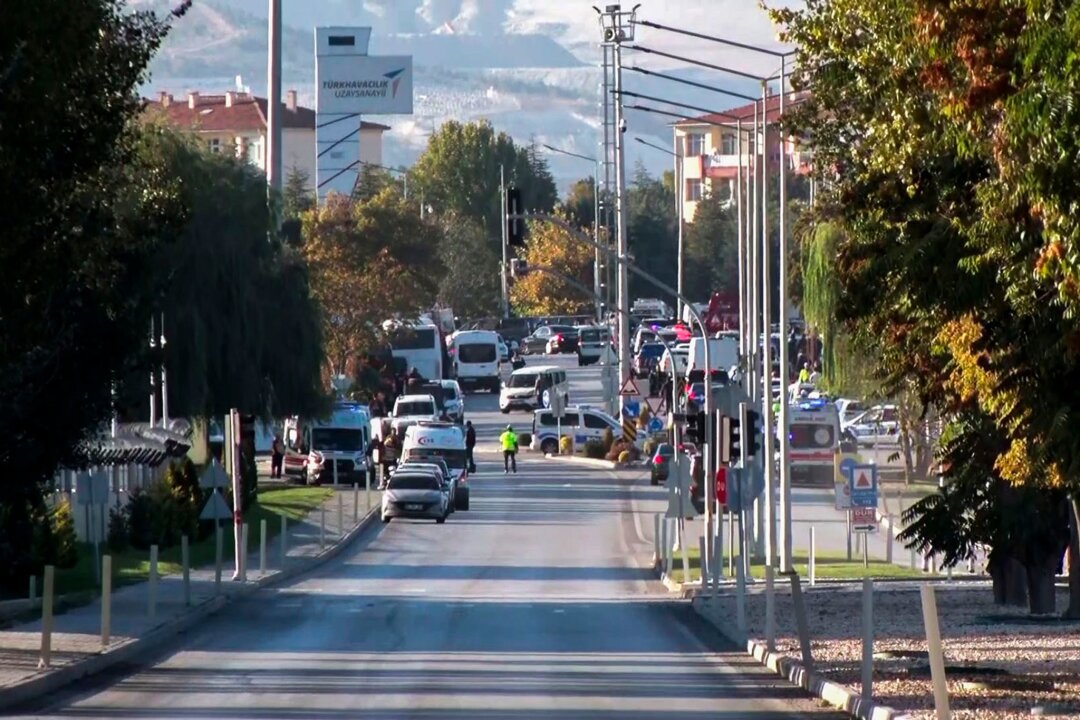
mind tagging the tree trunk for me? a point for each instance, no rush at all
(1042, 595)
(1073, 611)
(1010, 580)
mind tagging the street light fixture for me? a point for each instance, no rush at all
(596, 222)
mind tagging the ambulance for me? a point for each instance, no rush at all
(813, 441)
(428, 439)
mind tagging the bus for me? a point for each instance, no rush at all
(421, 346)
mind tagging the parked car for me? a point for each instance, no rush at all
(415, 494)
(536, 344)
(661, 463)
(563, 342)
(880, 425)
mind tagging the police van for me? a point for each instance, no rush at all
(426, 440)
(813, 441)
(579, 422)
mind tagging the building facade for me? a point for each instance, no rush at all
(708, 149)
(235, 122)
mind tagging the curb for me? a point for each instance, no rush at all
(839, 696)
(126, 651)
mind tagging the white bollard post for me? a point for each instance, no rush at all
(262, 546)
(812, 558)
(244, 546)
(340, 515)
(914, 562)
(656, 540)
(47, 617)
(284, 540)
(937, 656)
(322, 525)
(740, 597)
(334, 465)
(106, 600)
(685, 551)
(770, 609)
(705, 571)
(367, 492)
(731, 542)
(868, 639)
(151, 594)
(948, 572)
(185, 566)
(356, 502)
(217, 558)
(889, 541)
(33, 591)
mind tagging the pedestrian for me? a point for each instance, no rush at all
(815, 374)
(509, 440)
(414, 382)
(804, 374)
(470, 444)
(277, 457)
(390, 448)
(374, 455)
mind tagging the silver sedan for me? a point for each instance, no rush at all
(415, 495)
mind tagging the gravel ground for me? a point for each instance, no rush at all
(1000, 662)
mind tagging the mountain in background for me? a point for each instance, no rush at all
(528, 84)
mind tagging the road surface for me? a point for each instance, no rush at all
(536, 603)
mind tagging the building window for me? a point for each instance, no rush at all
(215, 145)
(693, 190)
(254, 152)
(695, 145)
(728, 144)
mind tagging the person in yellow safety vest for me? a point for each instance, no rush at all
(804, 374)
(509, 441)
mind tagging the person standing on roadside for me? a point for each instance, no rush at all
(470, 444)
(277, 457)
(509, 441)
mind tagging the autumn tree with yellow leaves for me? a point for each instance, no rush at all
(542, 293)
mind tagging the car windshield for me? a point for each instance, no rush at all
(477, 353)
(592, 335)
(415, 407)
(413, 482)
(337, 439)
(652, 350)
(453, 457)
(522, 380)
(665, 450)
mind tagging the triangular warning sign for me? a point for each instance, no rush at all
(654, 404)
(629, 387)
(862, 481)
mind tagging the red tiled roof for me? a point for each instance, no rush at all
(745, 112)
(245, 113)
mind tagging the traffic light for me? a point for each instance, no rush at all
(695, 428)
(515, 226)
(751, 421)
(730, 436)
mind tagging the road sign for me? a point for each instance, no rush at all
(214, 477)
(216, 508)
(842, 469)
(91, 489)
(863, 482)
(631, 409)
(864, 519)
(657, 406)
(656, 424)
(558, 406)
(679, 481)
(629, 388)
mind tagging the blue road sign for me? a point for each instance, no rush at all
(631, 409)
(656, 425)
(863, 481)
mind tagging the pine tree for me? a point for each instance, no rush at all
(63, 528)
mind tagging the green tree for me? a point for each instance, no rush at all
(470, 281)
(711, 250)
(580, 203)
(541, 293)
(67, 542)
(459, 172)
(80, 225)
(652, 233)
(296, 199)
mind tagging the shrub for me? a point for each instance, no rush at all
(117, 536)
(182, 481)
(609, 439)
(43, 545)
(595, 449)
(566, 445)
(624, 457)
(140, 514)
(66, 540)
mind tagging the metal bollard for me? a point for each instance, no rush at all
(367, 492)
(185, 565)
(356, 502)
(47, 617)
(802, 627)
(284, 540)
(262, 546)
(217, 559)
(812, 559)
(151, 594)
(341, 515)
(937, 656)
(334, 464)
(889, 542)
(243, 552)
(705, 571)
(740, 597)
(106, 600)
(868, 639)
(33, 591)
(770, 609)
(656, 540)
(914, 562)
(322, 525)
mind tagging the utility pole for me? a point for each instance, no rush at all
(785, 460)
(505, 267)
(164, 385)
(273, 102)
(153, 376)
(680, 203)
(766, 305)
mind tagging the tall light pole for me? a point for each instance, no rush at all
(680, 260)
(596, 224)
(273, 101)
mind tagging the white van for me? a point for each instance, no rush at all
(814, 432)
(519, 391)
(724, 353)
(476, 359)
(411, 409)
(580, 422)
(427, 440)
(594, 342)
(315, 447)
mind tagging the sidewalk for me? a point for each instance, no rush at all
(76, 639)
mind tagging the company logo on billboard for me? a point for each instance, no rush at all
(386, 86)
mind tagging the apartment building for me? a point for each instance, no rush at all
(235, 122)
(708, 147)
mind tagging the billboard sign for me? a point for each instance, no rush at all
(364, 84)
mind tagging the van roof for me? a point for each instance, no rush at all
(535, 369)
(435, 435)
(411, 398)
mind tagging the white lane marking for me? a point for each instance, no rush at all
(416, 590)
(558, 611)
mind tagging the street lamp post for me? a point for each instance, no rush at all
(680, 260)
(596, 224)
(273, 100)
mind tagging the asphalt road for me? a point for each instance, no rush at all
(536, 603)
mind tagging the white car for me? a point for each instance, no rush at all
(415, 494)
(453, 400)
(411, 409)
(880, 425)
